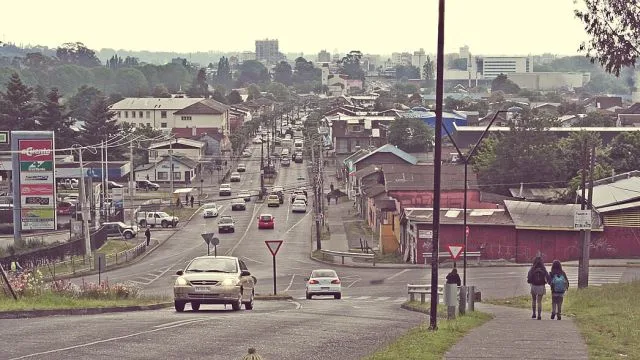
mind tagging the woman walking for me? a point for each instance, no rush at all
(538, 277)
(559, 284)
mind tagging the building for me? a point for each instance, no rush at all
(171, 113)
(351, 133)
(491, 67)
(184, 169)
(267, 50)
(192, 149)
(245, 56)
(418, 59)
(403, 58)
(324, 56)
(549, 81)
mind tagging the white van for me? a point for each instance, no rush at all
(298, 144)
(285, 152)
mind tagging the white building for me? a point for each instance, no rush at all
(184, 169)
(245, 56)
(192, 149)
(172, 113)
(547, 81)
(418, 59)
(491, 67)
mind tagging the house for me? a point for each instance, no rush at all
(184, 169)
(192, 149)
(629, 116)
(570, 120)
(351, 133)
(537, 194)
(545, 107)
(429, 118)
(217, 145)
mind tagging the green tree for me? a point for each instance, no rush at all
(160, 91)
(17, 110)
(142, 132)
(458, 64)
(279, 91)
(99, 125)
(252, 71)
(428, 70)
(451, 104)
(282, 73)
(68, 77)
(350, 65)
(614, 30)
(502, 83)
(103, 78)
(411, 135)
(304, 71)
(596, 119)
(174, 77)
(223, 75)
(80, 102)
(624, 152)
(131, 82)
(234, 97)
(407, 72)
(253, 92)
(219, 96)
(200, 86)
(77, 53)
(53, 116)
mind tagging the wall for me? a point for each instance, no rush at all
(388, 241)
(616, 242)
(198, 121)
(448, 199)
(547, 80)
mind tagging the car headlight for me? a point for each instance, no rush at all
(229, 282)
(181, 282)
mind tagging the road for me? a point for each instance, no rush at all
(367, 317)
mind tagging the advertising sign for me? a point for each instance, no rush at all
(37, 184)
(38, 189)
(117, 194)
(36, 150)
(38, 201)
(36, 166)
(38, 219)
(36, 178)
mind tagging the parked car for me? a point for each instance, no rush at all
(299, 206)
(226, 224)
(114, 185)
(246, 154)
(266, 221)
(241, 168)
(147, 185)
(210, 210)
(285, 162)
(154, 218)
(257, 140)
(120, 229)
(238, 204)
(214, 280)
(66, 207)
(68, 184)
(235, 177)
(225, 190)
(245, 195)
(273, 200)
(323, 282)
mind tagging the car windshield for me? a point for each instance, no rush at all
(222, 186)
(210, 206)
(265, 218)
(324, 274)
(226, 220)
(298, 202)
(212, 265)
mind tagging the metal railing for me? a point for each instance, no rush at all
(343, 254)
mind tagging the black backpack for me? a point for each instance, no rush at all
(538, 276)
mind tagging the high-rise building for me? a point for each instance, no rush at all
(324, 56)
(267, 50)
(492, 66)
(418, 59)
(246, 55)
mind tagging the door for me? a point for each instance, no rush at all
(187, 177)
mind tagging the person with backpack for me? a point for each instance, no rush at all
(538, 277)
(559, 284)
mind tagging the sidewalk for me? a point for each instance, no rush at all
(512, 334)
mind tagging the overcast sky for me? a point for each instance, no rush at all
(489, 27)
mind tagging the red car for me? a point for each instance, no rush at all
(65, 208)
(266, 221)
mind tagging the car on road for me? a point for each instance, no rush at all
(273, 200)
(323, 282)
(154, 218)
(246, 154)
(245, 195)
(209, 210)
(241, 168)
(235, 177)
(299, 206)
(238, 205)
(257, 140)
(225, 190)
(120, 229)
(226, 224)
(297, 158)
(285, 162)
(66, 207)
(214, 280)
(114, 185)
(147, 185)
(266, 221)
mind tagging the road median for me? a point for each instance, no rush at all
(20, 314)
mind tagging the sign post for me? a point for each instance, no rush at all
(209, 239)
(215, 241)
(455, 251)
(274, 246)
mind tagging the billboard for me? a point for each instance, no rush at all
(37, 184)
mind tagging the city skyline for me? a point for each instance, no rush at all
(476, 24)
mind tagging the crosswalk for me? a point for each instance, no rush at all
(597, 277)
(396, 300)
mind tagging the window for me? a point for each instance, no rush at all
(126, 114)
(119, 114)
(148, 124)
(148, 115)
(163, 175)
(163, 114)
(242, 265)
(133, 114)
(186, 117)
(163, 125)
(176, 175)
(140, 114)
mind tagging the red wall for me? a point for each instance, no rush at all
(615, 242)
(448, 199)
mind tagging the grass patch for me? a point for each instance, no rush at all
(183, 213)
(608, 317)
(51, 301)
(114, 246)
(421, 344)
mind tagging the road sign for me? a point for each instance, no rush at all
(215, 241)
(4, 137)
(582, 220)
(207, 237)
(455, 251)
(274, 246)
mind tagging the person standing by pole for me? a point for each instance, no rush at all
(147, 233)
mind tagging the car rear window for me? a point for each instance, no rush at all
(265, 218)
(324, 274)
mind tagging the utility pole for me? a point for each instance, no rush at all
(583, 264)
(261, 166)
(106, 188)
(103, 187)
(131, 185)
(85, 213)
(171, 175)
(321, 181)
(315, 192)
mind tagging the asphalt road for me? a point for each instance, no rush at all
(366, 318)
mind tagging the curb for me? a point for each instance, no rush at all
(272, 297)
(22, 314)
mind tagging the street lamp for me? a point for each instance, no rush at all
(83, 198)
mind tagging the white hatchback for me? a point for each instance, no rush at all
(210, 210)
(299, 206)
(324, 282)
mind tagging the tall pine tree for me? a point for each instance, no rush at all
(54, 116)
(100, 125)
(17, 109)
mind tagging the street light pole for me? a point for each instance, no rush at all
(83, 204)
(171, 174)
(131, 185)
(106, 188)
(261, 166)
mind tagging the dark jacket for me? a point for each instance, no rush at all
(547, 278)
(147, 233)
(453, 278)
(566, 280)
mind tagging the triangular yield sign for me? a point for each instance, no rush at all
(455, 251)
(273, 245)
(207, 237)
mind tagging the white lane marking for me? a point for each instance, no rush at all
(299, 221)
(290, 283)
(383, 298)
(179, 322)
(355, 281)
(288, 211)
(298, 305)
(253, 260)
(400, 299)
(246, 231)
(106, 340)
(397, 274)
(362, 298)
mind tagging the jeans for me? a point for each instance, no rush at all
(556, 304)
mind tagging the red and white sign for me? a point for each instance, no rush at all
(455, 251)
(273, 245)
(36, 150)
(36, 189)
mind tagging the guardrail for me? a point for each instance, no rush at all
(423, 291)
(444, 254)
(348, 254)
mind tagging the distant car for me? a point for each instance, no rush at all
(66, 207)
(273, 200)
(119, 229)
(245, 195)
(225, 190)
(299, 206)
(257, 140)
(285, 162)
(246, 154)
(238, 204)
(114, 185)
(235, 177)
(323, 282)
(241, 168)
(147, 185)
(226, 224)
(210, 210)
(266, 221)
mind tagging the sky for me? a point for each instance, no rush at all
(488, 27)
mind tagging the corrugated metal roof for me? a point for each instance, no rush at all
(154, 103)
(618, 192)
(456, 216)
(533, 215)
(608, 209)
(388, 148)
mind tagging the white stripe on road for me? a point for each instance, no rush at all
(397, 274)
(383, 298)
(179, 322)
(254, 260)
(290, 283)
(299, 221)
(246, 231)
(362, 298)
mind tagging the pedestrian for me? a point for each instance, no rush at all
(147, 234)
(186, 199)
(453, 277)
(559, 284)
(538, 277)
(191, 201)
